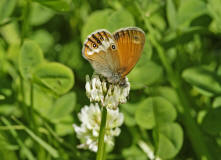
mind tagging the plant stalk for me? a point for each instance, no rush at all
(33, 124)
(101, 143)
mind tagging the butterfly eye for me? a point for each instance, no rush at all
(94, 45)
(113, 46)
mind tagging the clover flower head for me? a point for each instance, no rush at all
(88, 131)
(109, 95)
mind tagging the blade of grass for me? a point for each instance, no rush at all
(45, 145)
(27, 152)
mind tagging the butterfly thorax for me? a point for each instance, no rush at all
(116, 78)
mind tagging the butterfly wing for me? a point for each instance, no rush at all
(130, 43)
(99, 51)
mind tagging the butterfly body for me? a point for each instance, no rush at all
(114, 55)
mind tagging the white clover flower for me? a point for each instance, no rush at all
(110, 95)
(88, 132)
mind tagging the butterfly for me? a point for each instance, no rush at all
(114, 55)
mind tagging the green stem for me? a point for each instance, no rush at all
(101, 144)
(22, 102)
(25, 18)
(32, 107)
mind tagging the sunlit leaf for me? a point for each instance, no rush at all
(119, 19)
(107, 19)
(62, 107)
(217, 102)
(57, 5)
(101, 19)
(6, 8)
(170, 140)
(129, 113)
(203, 78)
(154, 111)
(43, 38)
(171, 13)
(190, 9)
(30, 57)
(214, 7)
(55, 77)
(64, 127)
(40, 14)
(134, 153)
(153, 73)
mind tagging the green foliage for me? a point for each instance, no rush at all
(55, 77)
(203, 78)
(107, 19)
(30, 57)
(6, 9)
(171, 136)
(174, 107)
(62, 107)
(154, 112)
(58, 5)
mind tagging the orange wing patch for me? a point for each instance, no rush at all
(130, 43)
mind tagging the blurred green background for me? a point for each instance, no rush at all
(174, 106)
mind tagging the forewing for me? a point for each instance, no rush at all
(97, 50)
(130, 43)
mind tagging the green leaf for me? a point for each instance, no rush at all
(203, 79)
(6, 8)
(171, 13)
(53, 152)
(55, 77)
(107, 19)
(153, 73)
(120, 19)
(64, 127)
(166, 92)
(101, 19)
(57, 5)
(71, 57)
(154, 111)
(2, 97)
(40, 14)
(211, 122)
(170, 140)
(30, 57)
(62, 107)
(43, 38)
(129, 113)
(217, 102)
(11, 33)
(214, 7)
(133, 153)
(189, 10)
(26, 151)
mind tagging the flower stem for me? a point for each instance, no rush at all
(101, 144)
